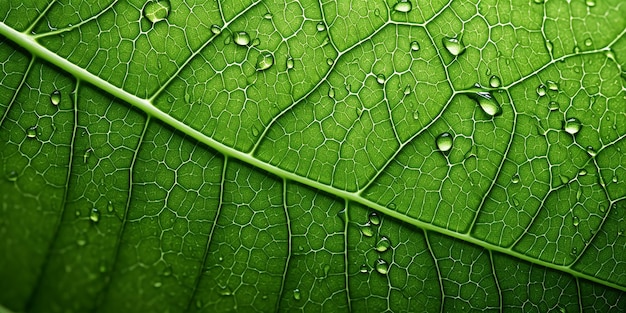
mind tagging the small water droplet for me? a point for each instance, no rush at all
(515, 201)
(579, 194)
(55, 97)
(226, 292)
(382, 267)
(552, 85)
(331, 93)
(110, 207)
(329, 61)
(320, 27)
(515, 179)
(574, 251)
(364, 268)
(264, 61)
(572, 126)
(290, 63)
(94, 215)
(403, 6)
(407, 90)
(615, 179)
(564, 179)
(376, 12)
(77, 212)
(215, 29)
(227, 40)
(486, 102)
(383, 244)
(591, 151)
(367, 230)
(380, 79)
(415, 46)
(444, 142)
(454, 45)
(538, 1)
(268, 16)
(12, 176)
(588, 42)
(590, 3)
(296, 294)
(494, 81)
(255, 42)
(374, 218)
(602, 208)
(156, 11)
(255, 131)
(31, 132)
(576, 221)
(241, 38)
(610, 55)
(416, 115)
(392, 206)
(553, 106)
(158, 284)
(576, 50)
(199, 304)
(582, 172)
(167, 271)
(541, 90)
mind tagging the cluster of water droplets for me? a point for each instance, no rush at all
(383, 243)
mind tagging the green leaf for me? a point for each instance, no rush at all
(190, 155)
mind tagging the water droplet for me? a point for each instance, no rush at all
(296, 294)
(454, 45)
(227, 40)
(290, 63)
(615, 179)
(329, 61)
(156, 11)
(564, 179)
(392, 206)
(110, 207)
(415, 46)
(591, 151)
(77, 212)
(383, 244)
(331, 93)
(55, 97)
(241, 38)
(367, 230)
(268, 16)
(94, 216)
(81, 241)
(264, 61)
(515, 179)
(588, 42)
(538, 1)
(215, 29)
(610, 55)
(407, 90)
(158, 284)
(199, 304)
(494, 81)
(541, 90)
(255, 131)
(416, 115)
(376, 12)
(574, 251)
(576, 50)
(364, 268)
(553, 106)
(549, 46)
(31, 132)
(444, 142)
(486, 102)
(380, 79)
(321, 27)
(579, 194)
(374, 218)
(576, 221)
(572, 126)
(582, 172)
(403, 6)
(255, 42)
(552, 85)
(590, 3)
(12, 176)
(602, 209)
(382, 266)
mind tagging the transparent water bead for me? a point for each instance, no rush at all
(156, 11)
(382, 267)
(454, 45)
(31, 132)
(241, 38)
(415, 46)
(94, 215)
(541, 90)
(383, 244)
(321, 27)
(572, 126)
(494, 81)
(289, 63)
(487, 103)
(215, 29)
(264, 61)
(403, 6)
(55, 97)
(374, 218)
(296, 294)
(444, 142)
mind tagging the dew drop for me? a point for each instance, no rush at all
(515, 179)
(241, 38)
(268, 16)
(156, 11)
(416, 115)
(541, 90)
(364, 268)
(321, 27)
(610, 54)
(591, 151)
(576, 50)
(215, 29)
(226, 292)
(444, 142)
(264, 61)
(403, 6)
(515, 201)
(572, 126)
(296, 294)
(227, 40)
(602, 208)
(588, 42)
(415, 46)
(486, 102)
(615, 179)
(376, 12)
(494, 81)
(553, 106)
(576, 221)
(380, 79)
(454, 45)
(255, 42)
(549, 46)
(382, 267)
(31, 132)
(331, 93)
(552, 85)
(582, 172)
(94, 215)
(574, 251)
(374, 218)
(383, 244)
(392, 206)
(367, 230)
(329, 61)
(12, 176)
(290, 63)
(590, 3)
(326, 269)
(110, 207)
(407, 90)
(55, 97)
(564, 179)
(167, 271)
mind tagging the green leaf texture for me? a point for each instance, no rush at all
(267, 156)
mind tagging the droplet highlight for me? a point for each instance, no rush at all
(494, 81)
(215, 29)
(454, 45)
(55, 97)
(572, 126)
(31, 132)
(296, 294)
(444, 142)
(241, 38)
(541, 90)
(383, 244)
(320, 27)
(382, 267)
(374, 218)
(289, 63)
(380, 79)
(487, 103)
(415, 46)
(156, 11)
(403, 6)
(94, 215)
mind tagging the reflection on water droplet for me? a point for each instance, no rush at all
(364, 268)
(374, 218)
(31, 132)
(110, 207)
(392, 206)
(582, 172)
(241, 38)
(296, 294)
(321, 27)
(552, 85)
(572, 126)
(12, 176)
(94, 216)
(591, 151)
(55, 97)
(367, 230)
(383, 244)
(486, 102)
(407, 90)
(382, 267)
(81, 241)
(331, 93)
(564, 179)
(415, 46)
(590, 3)
(268, 16)
(494, 81)
(264, 61)
(215, 29)
(615, 179)
(541, 90)
(156, 11)
(454, 45)
(380, 79)
(576, 221)
(329, 61)
(255, 132)
(553, 106)
(403, 6)
(588, 42)
(515, 179)
(326, 269)
(444, 142)
(86, 155)
(289, 63)
(416, 115)
(549, 46)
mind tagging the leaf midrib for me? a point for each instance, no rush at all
(28, 43)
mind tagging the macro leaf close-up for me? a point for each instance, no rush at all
(312, 156)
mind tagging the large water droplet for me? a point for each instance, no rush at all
(374, 218)
(454, 45)
(94, 215)
(55, 97)
(590, 3)
(444, 142)
(415, 46)
(382, 266)
(367, 230)
(486, 102)
(31, 132)
(364, 268)
(264, 61)
(268, 16)
(156, 11)
(541, 90)
(241, 38)
(553, 106)
(494, 81)
(588, 42)
(380, 79)
(572, 126)
(403, 6)
(321, 27)
(110, 207)
(289, 63)
(296, 294)
(215, 29)
(383, 244)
